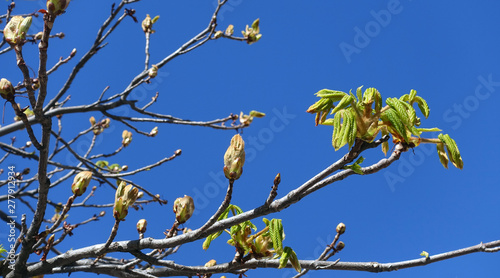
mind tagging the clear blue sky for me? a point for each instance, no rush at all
(446, 50)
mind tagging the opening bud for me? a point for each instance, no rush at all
(15, 31)
(80, 182)
(126, 195)
(183, 208)
(126, 138)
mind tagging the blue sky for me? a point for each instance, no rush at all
(446, 50)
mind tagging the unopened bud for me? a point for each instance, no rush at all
(153, 71)
(229, 30)
(178, 152)
(183, 208)
(277, 179)
(80, 182)
(141, 226)
(6, 89)
(211, 263)
(234, 158)
(102, 213)
(35, 84)
(218, 34)
(73, 53)
(153, 132)
(57, 7)
(124, 168)
(38, 36)
(340, 246)
(28, 144)
(340, 228)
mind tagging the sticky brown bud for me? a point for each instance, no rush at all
(340, 246)
(57, 7)
(6, 89)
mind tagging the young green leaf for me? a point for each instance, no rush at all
(424, 254)
(378, 102)
(352, 129)
(359, 93)
(385, 144)
(400, 108)
(422, 104)
(327, 122)
(290, 255)
(277, 235)
(331, 94)
(344, 102)
(433, 129)
(356, 167)
(336, 129)
(413, 94)
(443, 158)
(390, 116)
(412, 114)
(453, 151)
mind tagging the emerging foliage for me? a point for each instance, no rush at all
(363, 116)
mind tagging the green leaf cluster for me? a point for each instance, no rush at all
(363, 116)
(115, 167)
(267, 243)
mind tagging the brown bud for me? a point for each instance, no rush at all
(6, 89)
(277, 179)
(340, 246)
(183, 208)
